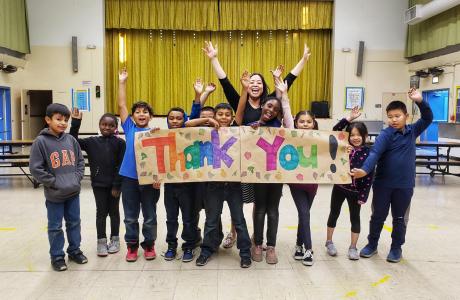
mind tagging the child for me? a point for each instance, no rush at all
(56, 161)
(357, 192)
(179, 196)
(394, 155)
(105, 154)
(217, 193)
(135, 196)
(302, 194)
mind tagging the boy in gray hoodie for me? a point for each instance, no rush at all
(56, 161)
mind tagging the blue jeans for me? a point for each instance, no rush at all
(217, 193)
(399, 200)
(70, 211)
(136, 197)
(180, 196)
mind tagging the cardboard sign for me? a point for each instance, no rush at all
(188, 155)
(294, 156)
(243, 154)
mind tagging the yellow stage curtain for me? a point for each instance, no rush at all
(162, 14)
(275, 14)
(163, 65)
(214, 15)
(435, 33)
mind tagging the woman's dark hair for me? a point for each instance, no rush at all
(142, 104)
(109, 115)
(178, 109)
(362, 129)
(306, 113)
(265, 90)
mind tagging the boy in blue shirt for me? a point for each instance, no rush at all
(394, 155)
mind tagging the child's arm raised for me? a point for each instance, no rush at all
(75, 127)
(277, 76)
(243, 98)
(122, 109)
(426, 114)
(288, 121)
(208, 90)
(354, 113)
(196, 105)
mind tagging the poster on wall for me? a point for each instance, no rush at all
(263, 155)
(354, 96)
(81, 99)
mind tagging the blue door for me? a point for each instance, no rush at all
(5, 114)
(439, 103)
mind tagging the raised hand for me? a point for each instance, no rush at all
(211, 87)
(415, 95)
(245, 79)
(278, 71)
(123, 75)
(210, 50)
(198, 86)
(306, 52)
(76, 113)
(355, 113)
(281, 86)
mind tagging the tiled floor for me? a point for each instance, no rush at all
(429, 269)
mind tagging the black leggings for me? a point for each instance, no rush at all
(338, 196)
(268, 197)
(106, 204)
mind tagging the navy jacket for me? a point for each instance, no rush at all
(394, 153)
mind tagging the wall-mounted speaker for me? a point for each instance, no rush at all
(359, 68)
(74, 54)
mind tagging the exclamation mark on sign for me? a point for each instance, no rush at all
(333, 145)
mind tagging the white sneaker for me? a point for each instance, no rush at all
(353, 254)
(114, 245)
(308, 258)
(102, 247)
(331, 250)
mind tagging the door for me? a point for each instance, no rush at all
(439, 103)
(25, 115)
(5, 114)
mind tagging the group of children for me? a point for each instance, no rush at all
(56, 161)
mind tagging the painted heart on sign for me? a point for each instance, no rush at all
(315, 175)
(299, 177)
(247, 155)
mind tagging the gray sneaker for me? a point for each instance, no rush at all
(331, 250)
(114, 245)
(353, 254)
(102, 247)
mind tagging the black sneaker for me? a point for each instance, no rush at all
(298, 253)
(78, 257)
(202, 260)
(308, 258)
(245, 262)
(59, 265)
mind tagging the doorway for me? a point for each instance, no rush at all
(439, 103)
(33, 111)
(5, 113)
